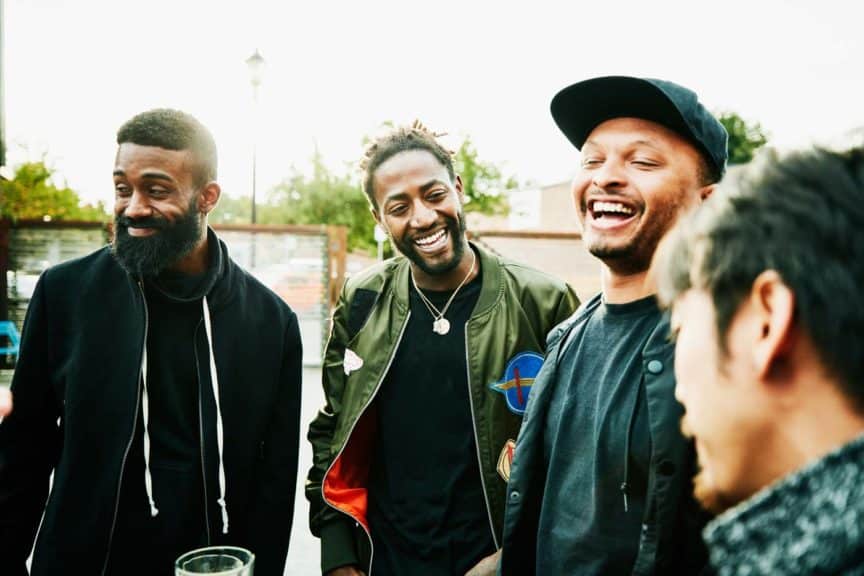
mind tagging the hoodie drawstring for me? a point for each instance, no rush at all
(214, 381)
(145, 409)
(145, 406)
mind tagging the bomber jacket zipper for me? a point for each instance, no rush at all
(132, 435)
(351, 431)
(477, 440)
(201, 432)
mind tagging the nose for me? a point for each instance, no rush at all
(423, 216)
(138, 206)
(609, 175)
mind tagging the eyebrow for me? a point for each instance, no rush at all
(431, 184)
(640, 142)
(148, 175)
(401, 195)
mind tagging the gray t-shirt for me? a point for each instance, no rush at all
(596, 439)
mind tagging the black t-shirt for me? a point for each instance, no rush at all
(149, 545)
(596, 436)
(427, 513)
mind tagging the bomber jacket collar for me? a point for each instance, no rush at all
(491, 291)
(811, 522)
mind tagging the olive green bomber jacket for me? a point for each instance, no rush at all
(516, 309)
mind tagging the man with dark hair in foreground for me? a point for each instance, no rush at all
(158, 381)
(765, 288)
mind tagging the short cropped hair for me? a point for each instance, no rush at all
(174, 130)
(402, 139)
(801, 216)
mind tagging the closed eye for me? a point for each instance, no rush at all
(645, 163)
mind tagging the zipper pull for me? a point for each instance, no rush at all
(624, 487)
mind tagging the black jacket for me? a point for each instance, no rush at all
(77, 391)
(670, 541)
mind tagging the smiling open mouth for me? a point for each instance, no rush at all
(432, 242)
(601, 210)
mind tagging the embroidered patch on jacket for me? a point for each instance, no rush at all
(351, 362)
(505, 459)
(518, 378)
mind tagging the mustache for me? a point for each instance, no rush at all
(144, 222)
(450, 224)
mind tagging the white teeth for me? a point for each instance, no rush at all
(612, 207)
(430, 239)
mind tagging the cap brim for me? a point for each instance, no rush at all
(583, 106)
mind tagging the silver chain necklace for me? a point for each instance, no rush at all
(441, 325)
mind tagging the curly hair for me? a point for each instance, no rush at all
(402, 139)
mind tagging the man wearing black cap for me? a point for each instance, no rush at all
(601, 476)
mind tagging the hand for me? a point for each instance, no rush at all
(5, 403)
(346, 571)
(488, 566)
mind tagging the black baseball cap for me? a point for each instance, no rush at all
(581, 107)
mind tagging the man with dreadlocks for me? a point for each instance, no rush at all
(426, 376)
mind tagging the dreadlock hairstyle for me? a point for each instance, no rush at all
(402, 139)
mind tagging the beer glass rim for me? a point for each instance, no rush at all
(244, 555)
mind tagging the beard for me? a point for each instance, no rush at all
(622, 259)
(707, 494)
(456, 231)
(150, 255)
(632, 256)
(705, 490)
(635, 254)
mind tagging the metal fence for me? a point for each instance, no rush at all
(304, 265)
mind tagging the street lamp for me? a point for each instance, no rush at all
(255, 63)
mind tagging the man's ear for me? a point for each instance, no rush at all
(377, 218)
(706, 191)
(208, 197)
(774, 304)
(457, 184)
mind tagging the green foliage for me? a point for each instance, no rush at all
(322, 198)
(31, 194)
(744, 138)
(232, 210)
(483, 183)
(325, 197)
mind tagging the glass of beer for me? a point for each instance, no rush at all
(221, 560)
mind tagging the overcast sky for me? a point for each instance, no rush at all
(76, 70)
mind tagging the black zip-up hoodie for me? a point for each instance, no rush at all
(78, 394)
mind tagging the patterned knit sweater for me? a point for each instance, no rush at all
(811, 522)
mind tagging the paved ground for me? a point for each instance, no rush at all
(304, 554)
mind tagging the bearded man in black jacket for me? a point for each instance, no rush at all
(158, 381)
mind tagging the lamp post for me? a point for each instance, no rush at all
(255, 63)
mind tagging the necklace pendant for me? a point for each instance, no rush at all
(441, 326)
